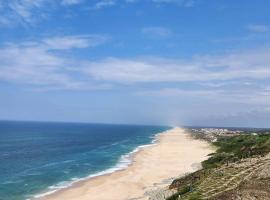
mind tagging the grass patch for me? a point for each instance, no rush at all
(231, 149)
(238, 147)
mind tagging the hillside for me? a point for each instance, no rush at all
(240, 169)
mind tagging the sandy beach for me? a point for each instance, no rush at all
(175, 153)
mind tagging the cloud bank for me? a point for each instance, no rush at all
(48, 64)
(248, 64)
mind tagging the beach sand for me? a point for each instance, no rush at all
(174, 154)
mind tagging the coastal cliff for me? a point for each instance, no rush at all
(239, 169)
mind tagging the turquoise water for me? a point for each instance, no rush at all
(39, 158)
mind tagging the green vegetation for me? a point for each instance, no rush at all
(238, 147)
(195, 196)
(180, 192)
(235, 159)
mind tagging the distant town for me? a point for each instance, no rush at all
(212, 134)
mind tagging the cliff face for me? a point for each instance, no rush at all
(247, 179)
(239, 170)
(257, 186)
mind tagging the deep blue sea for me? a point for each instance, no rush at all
(39, 157)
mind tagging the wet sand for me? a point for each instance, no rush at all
(175, 153)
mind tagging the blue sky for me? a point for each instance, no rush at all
(177, 62)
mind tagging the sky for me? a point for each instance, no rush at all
(172, 62)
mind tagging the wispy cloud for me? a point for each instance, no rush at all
(241, 65)
(176, 92)
(46, 62)
(22, 12)
(232, 77)
(29, 12)
(71, 42)
(71, 2)
(255, 96)
(34, 63)
(259, 28)
(157, 32)
(104, 3)
(186, 3)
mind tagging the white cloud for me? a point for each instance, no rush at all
(236, 76)
(71, 2)
(186, 3)
(176, 92)
(157, 32)
(22, 11)
(251, 96)
(259, 28)
(244, 65)
(132, 1)
(46, 62)
(104, 3)
(33, 63)
(78, 41)
(167, 1)
(29, 12)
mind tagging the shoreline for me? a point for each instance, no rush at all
(124, 162)
(150, 167)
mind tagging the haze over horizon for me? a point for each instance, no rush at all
(186, 62)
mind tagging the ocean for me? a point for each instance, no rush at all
(39, 158)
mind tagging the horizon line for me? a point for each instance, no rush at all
(128, 124)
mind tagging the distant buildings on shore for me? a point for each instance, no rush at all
(212, 134)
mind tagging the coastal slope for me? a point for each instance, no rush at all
(239, 169)
(174, 153)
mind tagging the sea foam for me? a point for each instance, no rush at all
(124, 161)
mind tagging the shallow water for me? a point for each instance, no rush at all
(38, 158)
